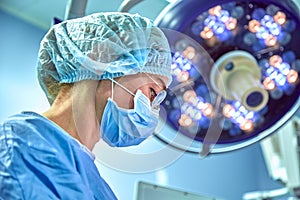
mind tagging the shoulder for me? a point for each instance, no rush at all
(15, 153)
(29, 135)
(22, 121)
(27, 156)
(23, 126)
(24, 133)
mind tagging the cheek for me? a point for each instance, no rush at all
(123, 99)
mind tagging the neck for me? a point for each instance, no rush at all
(75, 111)
(63, 117)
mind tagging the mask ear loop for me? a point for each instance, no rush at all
(122, 87)
(112, 89)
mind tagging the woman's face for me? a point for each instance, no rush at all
(151, 85)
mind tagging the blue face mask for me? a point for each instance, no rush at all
(126, 127)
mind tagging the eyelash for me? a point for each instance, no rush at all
(152, 91)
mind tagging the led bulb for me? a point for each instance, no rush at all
(263, 33)
(271, 40)
(269, 84)
(292, 76)
(189, 52)
(187, 66)
(200, 105)
(173, 66)
(247, 125)
(207, 33)
(275, 61)
(215, 10)
(267, 21)
(190, 96)
(185, 120)
(284, 68)
(207, 110)
(176, 71)
(183, 76)
(228, 111)
(190, 111)
(280, 18)
(231, 23)
(223, 16)
(275, 29)
(197, 116)
(280, 79)
(219, 28)
(254, 26)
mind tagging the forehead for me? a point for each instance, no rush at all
(144, 78)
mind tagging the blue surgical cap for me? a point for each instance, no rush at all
(101, 46)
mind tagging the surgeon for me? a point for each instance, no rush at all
(105, 76)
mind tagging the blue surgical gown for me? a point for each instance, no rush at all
(39, 160)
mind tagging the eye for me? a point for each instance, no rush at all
(153, 94)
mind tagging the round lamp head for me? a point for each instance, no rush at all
(235, 72)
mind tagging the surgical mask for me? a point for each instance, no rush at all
(126, 127)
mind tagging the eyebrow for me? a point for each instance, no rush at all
(164, 87)
(162, 83)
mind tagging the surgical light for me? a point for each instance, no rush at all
(236, 71)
